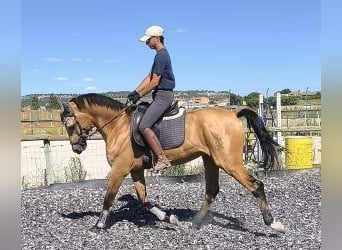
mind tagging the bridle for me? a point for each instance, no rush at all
(81, 132)
(85, 134)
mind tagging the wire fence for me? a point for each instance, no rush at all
(44, 162)
(47, 158)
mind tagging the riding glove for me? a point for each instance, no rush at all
(133, 96)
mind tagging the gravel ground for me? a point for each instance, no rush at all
(61, 218)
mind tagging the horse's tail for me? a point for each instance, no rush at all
(269, 147)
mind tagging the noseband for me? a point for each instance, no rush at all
(82, 133)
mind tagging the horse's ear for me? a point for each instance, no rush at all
(67, 109)
(60, 104)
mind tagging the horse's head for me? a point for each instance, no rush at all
(77, 125)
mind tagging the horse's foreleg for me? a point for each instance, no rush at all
(140, 188)
(211, 189)
(114, 184)
(256, 187)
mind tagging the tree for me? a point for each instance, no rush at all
(285, 91)
(289, 100)
(252, 100)
(235, 99)
(35, 103)
(271, 101)
(53, 102)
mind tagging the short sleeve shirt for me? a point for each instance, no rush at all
(162, 66)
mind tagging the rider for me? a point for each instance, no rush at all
(161, 81)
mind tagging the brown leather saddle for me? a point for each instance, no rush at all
(169, 129)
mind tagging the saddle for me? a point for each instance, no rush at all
(169, 129)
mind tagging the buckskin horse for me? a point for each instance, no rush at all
(215, 134)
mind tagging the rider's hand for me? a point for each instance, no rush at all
(133, 96)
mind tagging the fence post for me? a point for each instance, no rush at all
(49, 167)
(261, 114)
(279, 116)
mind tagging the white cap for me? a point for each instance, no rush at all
(154, 30)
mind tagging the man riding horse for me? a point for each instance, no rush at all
(161, 81)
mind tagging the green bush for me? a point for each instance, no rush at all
(74, 171)
(181, 170)
(178, 170)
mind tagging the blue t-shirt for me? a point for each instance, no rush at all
(162, 66)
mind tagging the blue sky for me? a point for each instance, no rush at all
(74, 46)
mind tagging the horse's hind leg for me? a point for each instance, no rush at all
(211, 189)
(256, 187)
(140, 185)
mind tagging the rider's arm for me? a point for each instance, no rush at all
(148, 84)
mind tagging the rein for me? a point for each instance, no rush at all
(111, 120)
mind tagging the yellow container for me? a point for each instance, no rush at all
(298, 152)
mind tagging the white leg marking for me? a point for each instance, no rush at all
(278, 226)
(157, 212)
(103, 217)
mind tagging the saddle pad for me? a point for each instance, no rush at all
(169, 130)
(172, 130)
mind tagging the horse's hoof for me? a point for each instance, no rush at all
(100, 225)
(173, 219)
(278, 226)
(95, 229)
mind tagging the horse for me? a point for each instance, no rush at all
(215, 134)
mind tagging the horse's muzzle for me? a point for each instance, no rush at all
(79, 148)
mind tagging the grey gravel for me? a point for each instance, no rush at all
(61, 218)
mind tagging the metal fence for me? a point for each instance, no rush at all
(46, 155)
(45, 161)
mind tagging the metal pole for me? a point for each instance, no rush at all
(260, 112)
(229, 99)
(306, 105)
(279, 116)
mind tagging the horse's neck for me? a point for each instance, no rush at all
(107, 120)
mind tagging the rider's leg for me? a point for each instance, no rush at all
(161, 102)
(154, 144)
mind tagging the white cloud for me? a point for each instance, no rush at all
(35, 70)
(90, 88)
(181, 30)
(60, 78)
(53, 60)
(88, 79)
(76, 59)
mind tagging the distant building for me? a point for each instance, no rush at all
(300, 94)
(193, 102)
(201, 100)
(181, 101)
(222, 104)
